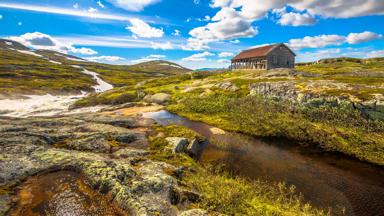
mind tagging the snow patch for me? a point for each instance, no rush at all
(166, 64)
(37, 105)
(101, 86)
(29, 53)
(9, 43)
(55, 62)
(51, 105)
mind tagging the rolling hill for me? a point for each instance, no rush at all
(27, 71)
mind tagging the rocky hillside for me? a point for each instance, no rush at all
(27, 71)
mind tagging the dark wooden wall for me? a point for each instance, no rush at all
(281, 57)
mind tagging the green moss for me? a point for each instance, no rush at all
(26, 74)
(339, 128)
(237, 196)
(343, 65)
(222, 193)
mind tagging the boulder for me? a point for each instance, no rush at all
(159, 98)
(196, 146)
(227, 86)
(178, 144)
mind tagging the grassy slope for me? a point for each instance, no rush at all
(23, 73)
(27, 74)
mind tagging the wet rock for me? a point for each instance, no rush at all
(194, 212)
(178, 144)
(196, 146)
(229, 86)
(159, 98)
(95, 143)
(130, 153)
(85, 143)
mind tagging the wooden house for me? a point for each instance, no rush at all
(264, 58)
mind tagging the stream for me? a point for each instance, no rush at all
(325, 179)
(62, 193)
(50, 105)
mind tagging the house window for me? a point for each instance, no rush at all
(287, 62)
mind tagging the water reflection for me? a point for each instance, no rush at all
(61, 193)
(325, 179)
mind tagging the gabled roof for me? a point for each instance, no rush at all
(259, 52)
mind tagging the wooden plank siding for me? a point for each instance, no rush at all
(264, 58)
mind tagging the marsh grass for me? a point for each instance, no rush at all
(221, 192)
(333, 128)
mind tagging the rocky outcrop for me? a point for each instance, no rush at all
(228, 86)
(178, 144)
(159, 98)
(197, 146)
(289, 91)
(102, 148)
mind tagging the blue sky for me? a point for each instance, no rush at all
(195, 33)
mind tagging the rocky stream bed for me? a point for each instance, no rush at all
(107, 153)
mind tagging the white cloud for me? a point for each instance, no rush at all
(76, 6)
(65, 11)
(198, 57)
(361, 52)
(39, 40)
(133, 5)
(227, 25)
(195, 44)
(235, 18)
(104, 58)
(375, 54)
(296, 19)
(149, 58)
(328, 40)
(224, 61)
(92, 10)
(163, 46)
(316, 41)
(257, 9)
(139, 28)
(100, 4)
(355, 38)
(176, 33)
(235, 41)
(225, 54)
(82, 50)
(196, 1)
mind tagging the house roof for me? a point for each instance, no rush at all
(258, 52)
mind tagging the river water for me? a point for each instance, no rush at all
(325, 179)
(62, 193)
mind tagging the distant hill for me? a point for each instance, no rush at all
(342, 65)
(27, 71)
(211, 69)
(161, 66)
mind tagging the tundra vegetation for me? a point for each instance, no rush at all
(336, 104)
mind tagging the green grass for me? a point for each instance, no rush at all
(223, 193)
(26, 74)
(344, 65)
(334, 128)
